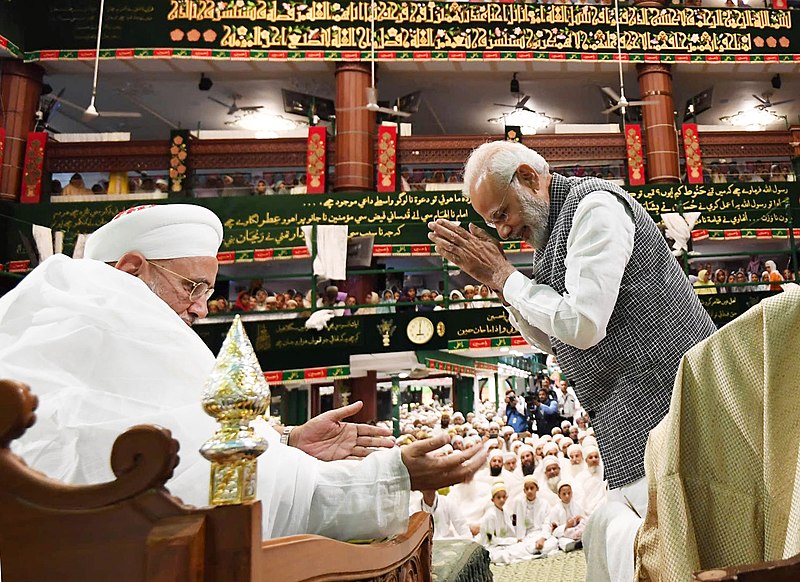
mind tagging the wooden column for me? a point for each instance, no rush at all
(20, 89)
(316, 405)
(661, 142)
(355, 129)
(365, 388)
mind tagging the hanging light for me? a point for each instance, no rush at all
(529, 121)
(753, 119)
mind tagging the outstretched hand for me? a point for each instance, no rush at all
(328, 438)
(430, 471)
(474, 251)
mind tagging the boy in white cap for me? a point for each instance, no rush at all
(105, 343)
(497, 532)
(530, 517)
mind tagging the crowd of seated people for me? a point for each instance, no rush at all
(539, 486)
(294, 303)
(757, 275)
(757, 171)
(142, 184)
(246, 184)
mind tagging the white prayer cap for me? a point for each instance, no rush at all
(456, 438)
(515, 445)
(589, 440)
(557, 438)
(494, 425)
(530, 479)
(572, 448)
(566, 440)
(530, 441)
(550, 447)
(497, 487)
(163, 231)
(563, 483)
(495, 453)
(507, 430)
(549, 460)
(565, 424)
(525, 449)
(509, 457)
(589, 449)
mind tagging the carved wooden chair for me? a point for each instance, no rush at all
(778, 571)
(132, 530)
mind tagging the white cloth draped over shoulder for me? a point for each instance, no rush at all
(103, 353)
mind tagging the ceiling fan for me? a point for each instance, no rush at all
(521, 101)
(233, 108)
(91, 111)
(621, 103)
(766, 100)
(372, 90)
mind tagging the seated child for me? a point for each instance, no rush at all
(567, 522)
(530, 517)
(497, 531)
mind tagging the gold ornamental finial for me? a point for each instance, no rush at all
(235, 394)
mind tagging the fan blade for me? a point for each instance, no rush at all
(505, 105)
(215, 100)
(69, 104)
(774, 103)
(523, 101)
(765, 102)
(611, 109)
(130, 114)
(611, 93)
(251, 108)
(641, 103)
(387, 111)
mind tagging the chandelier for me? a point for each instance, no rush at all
(753, 119)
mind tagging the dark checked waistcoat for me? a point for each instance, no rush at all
(625, 381)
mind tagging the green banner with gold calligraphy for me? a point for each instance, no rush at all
(340, 30)
(269, 227)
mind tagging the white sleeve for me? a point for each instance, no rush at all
(532, 335)
(339, 499)
(599, 246)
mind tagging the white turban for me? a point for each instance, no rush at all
(497, 487)
(572, 448)
(163, 231)
(549, 460)
(509, 457)
(495, 453)
(589, 449)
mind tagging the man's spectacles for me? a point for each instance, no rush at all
(500, 216)
(199, 288)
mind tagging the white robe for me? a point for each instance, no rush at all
(103, 353)
(448, 522)
(498, 536)
(531, 518)
(594, 491)
(560, 513)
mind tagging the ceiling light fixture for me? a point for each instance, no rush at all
(529, 121)
(753, 119)
(264, 122)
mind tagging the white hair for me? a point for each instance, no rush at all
(497, 161)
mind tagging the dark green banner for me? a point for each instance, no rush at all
(267, 223)
(405, 29)
(284, 344)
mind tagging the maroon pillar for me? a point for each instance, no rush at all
(355, 127)
(20, 89)
(365, 389)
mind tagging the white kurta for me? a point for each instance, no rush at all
(532, 518)
(498, 536)
(103, 353)
(448, 522)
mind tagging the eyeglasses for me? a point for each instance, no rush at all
(199, 288)
(500, 216)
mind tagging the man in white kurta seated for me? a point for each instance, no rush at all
(549, 480)
(105, 342)
(531, 513)
(591, 482)
(448, 521)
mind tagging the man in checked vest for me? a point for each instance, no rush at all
(607, 296)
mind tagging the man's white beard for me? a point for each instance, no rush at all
(535, 215)
(553, 482)
(595, 470)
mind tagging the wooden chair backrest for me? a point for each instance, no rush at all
(132, 530)
(778, 571)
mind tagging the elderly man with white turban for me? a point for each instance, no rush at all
(591, 482)
(105, 342)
